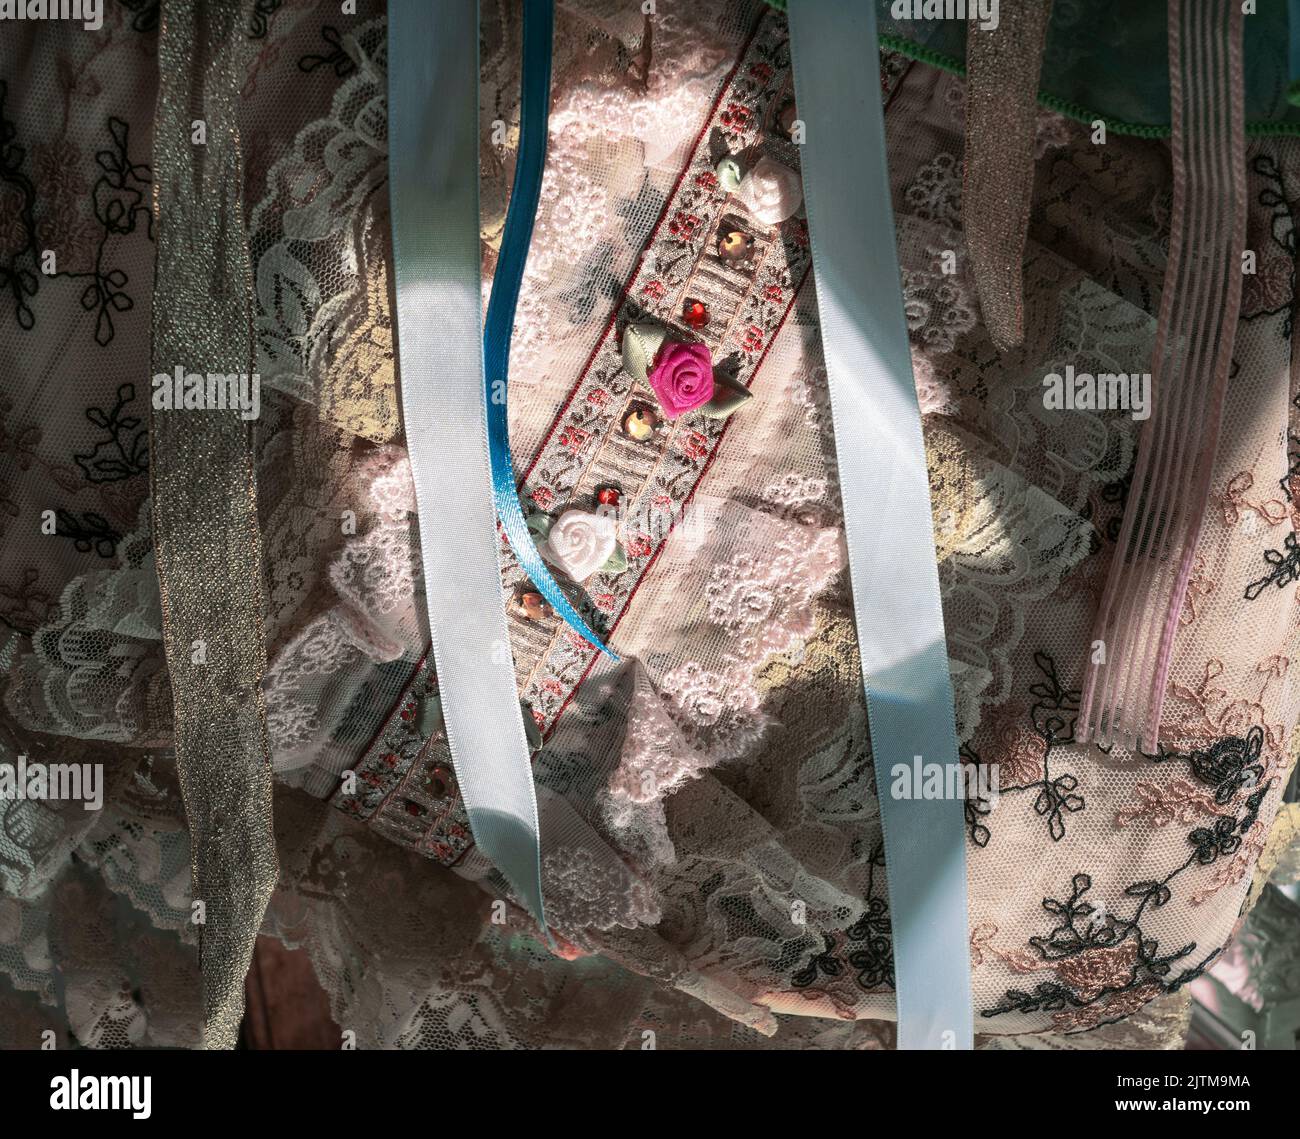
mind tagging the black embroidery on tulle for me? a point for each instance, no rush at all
(977, 808)
(25, 607)
(1083, 926)
(1284, 568)
(1053, 714)
(123, 451)
(1284, 564)
(338, 58)
(120, 198)
(260, 21)
(18, 281)
(865, 947)
(144, 14)
(1113, 500)
(1289, 480)
(87, 532)
(1274, 196)
(1228, 765)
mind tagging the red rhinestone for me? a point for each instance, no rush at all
(607, 496)
(695, 314)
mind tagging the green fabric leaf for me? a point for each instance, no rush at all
(640, 344)
(617, 562)
(429, 718)
(728, 395)
(531, 730)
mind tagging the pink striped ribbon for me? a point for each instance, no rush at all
(1124, 690)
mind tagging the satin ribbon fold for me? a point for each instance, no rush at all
(886, 494)
(535, 94)
(433, 82)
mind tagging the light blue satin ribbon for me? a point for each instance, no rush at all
(886, 493)
(433, 137)
(535, 97)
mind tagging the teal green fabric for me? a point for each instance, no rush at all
(1108, 59)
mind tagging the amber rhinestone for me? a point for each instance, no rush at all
(639, 423)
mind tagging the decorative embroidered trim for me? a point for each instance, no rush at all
(586, 449)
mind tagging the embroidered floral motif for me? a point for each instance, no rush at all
(1052, 714)
(120, 199)
(125, 450)
(17, 221)
(939, 310)
(1160, 804)
(87, 531)
(1236, 504)
(1227, 765)
(1270, 288)
(935, 194)
(1284, 568)
(338, 59)
(1107, 966)
(259, 23)
(866, 946)
(1103, 961)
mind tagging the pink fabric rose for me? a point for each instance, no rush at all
(682, 377)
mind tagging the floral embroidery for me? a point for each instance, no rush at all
(935, 195)
(1106, 965)
(25, 607)
(120, 198)
(938, 308)
(866, 946)
(1270, 288)
(259, 22)
(1053, 716)
(1099, 955)
(1227, 765)
(87, 531)
(1235, 503)
(1160, 804)
(1284, 568)
(125, 450)
(1199, 586)
(17, 221)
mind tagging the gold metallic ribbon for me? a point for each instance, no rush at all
(204, 502)
(1002, 66)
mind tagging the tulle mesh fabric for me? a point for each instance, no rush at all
(712, 853)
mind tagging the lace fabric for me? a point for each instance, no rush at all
(712, 850)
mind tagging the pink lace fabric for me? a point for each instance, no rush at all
(712, 844)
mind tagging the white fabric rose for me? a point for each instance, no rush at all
(580, 543)
(771, 191)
